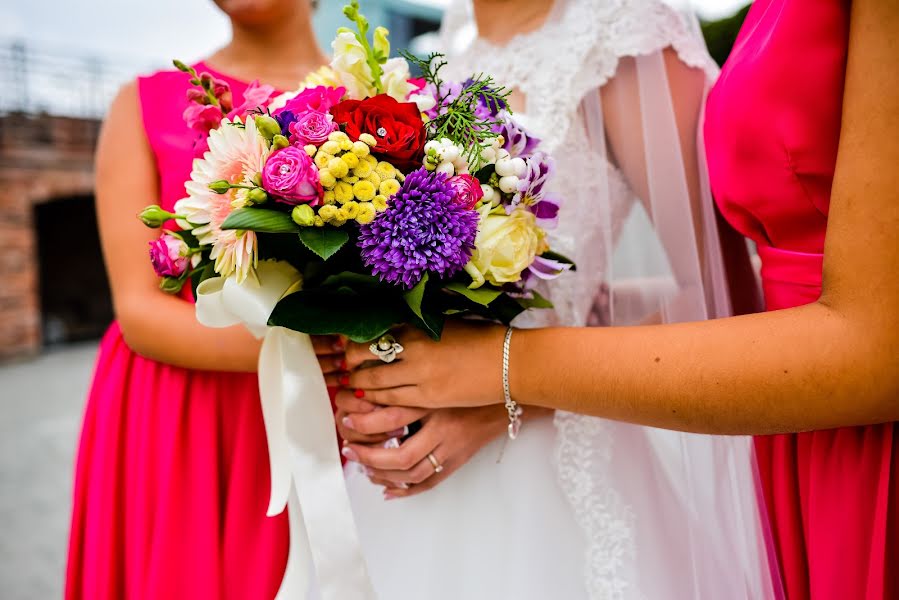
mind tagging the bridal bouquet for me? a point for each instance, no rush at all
(395, 200)
(359, 202)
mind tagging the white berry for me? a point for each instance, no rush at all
(508, 184)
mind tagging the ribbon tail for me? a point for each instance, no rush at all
(318, 480)
(298, 581)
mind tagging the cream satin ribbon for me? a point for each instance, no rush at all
(302, 444)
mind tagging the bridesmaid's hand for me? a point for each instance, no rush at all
(363, 422)
(449, 436)
(331, 353)
(463, 369)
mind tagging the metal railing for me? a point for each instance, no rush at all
(35, 80)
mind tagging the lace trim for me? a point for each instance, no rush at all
(585, 446)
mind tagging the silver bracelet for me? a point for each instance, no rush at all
(512, 407)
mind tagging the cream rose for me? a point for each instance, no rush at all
(505, 246)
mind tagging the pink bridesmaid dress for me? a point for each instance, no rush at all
(772, 130)
(172, 478)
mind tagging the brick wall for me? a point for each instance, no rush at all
(42, 158)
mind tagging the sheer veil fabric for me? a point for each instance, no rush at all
(616, 91)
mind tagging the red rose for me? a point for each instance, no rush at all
(397, 126)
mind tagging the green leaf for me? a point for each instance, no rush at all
(324, 241)
(260, 219)
(201, 274)
(505, 309)
(537, 301)
(322, 312)
(559, 257)
(351, 280)
(415, 296)
(483, 175)
(483, 295)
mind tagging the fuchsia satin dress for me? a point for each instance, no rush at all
(772, 130)
(172, 480)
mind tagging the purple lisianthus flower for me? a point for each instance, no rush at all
(532, 193)
(312, 128)
(518, 142)
(422, 231)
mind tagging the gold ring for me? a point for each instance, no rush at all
(437, 466)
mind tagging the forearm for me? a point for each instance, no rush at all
(165, 328)
(800, 369)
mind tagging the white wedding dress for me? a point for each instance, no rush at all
(582, 507)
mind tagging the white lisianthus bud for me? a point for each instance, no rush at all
(508, 184)
(446, 168)
(505, 168)
(519, 167)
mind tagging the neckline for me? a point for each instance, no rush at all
(556, 13)
(204, 66)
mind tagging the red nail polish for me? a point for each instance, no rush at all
(343, 365)
(359, 394)
(345, 380)
(338, 345)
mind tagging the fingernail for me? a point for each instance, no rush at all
(345, 380)
(399, 432)
(369, 471)
(347, 422)
(339, 345)
(359, 393)
(345, 443)
(340, 364)
(343, 365)
(389, 496)
(349, 454)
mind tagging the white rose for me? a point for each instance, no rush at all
(505, 246)
(396, 79)
(349, 64)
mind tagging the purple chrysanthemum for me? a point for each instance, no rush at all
(422, 231)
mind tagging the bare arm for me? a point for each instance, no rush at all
(828, 364)
(154, 324)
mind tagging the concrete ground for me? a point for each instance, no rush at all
(41, 402)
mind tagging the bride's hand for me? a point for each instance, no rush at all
(330, 351)
(449, 436)
(463, 369)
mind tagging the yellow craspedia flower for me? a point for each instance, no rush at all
(327, 212)
(366, 213)
(379, 202)
(385, 170)
(329, 198)
(327, 179)
(351, 209)
(368, 139)
(338, 168)
(317, 221)
(310, 149)
(374, 178)
(362, 169)
(350, 179)
(351, 160)
(337, 136)
(343, 192)
(360, 149)
(363, 190)
(331, 147)
(389, 187)
(322, 159)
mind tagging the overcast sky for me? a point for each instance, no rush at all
(148, 32)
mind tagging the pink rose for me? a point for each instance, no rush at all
(468, 190)
(203, 117)
(291, 177)
(169, 256)
(318, 99)
(312, 128)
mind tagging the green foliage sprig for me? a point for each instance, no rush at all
(457, 118)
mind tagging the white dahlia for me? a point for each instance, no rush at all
(236, 154)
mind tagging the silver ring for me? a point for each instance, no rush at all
(386, 348)
(437, 466)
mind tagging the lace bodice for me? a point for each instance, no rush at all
(554, 67)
